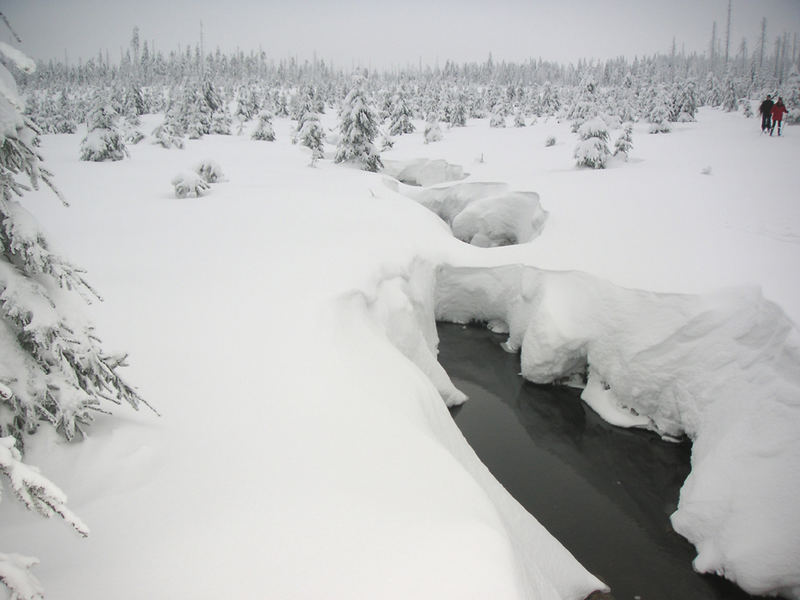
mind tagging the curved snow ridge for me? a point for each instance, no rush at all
(400, 310)
(723, 369)
(424, 171)
(482, 214)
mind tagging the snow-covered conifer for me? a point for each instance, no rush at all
(358, 130)
(400, 117)
(624, 142)
(592, 149)
(497, 120)
(312, 135)
(659, 114)
(519, 119)
(103, 140)
(433, 131)
(747, 107)
(168, 134)
(53, 369)
(264, 130)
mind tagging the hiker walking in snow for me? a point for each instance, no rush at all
(766, 114)
(778, 110)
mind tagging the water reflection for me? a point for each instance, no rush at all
(606, 493)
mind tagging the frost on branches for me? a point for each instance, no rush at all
(358, 130)
(52, 368)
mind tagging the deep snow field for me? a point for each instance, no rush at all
(283, 326)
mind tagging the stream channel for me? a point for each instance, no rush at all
(606, 493)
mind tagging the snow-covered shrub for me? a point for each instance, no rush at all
(519, 119)
(624, 142)
(264, 130)
(221, 122)
(103, 140)
(210, 171)
(747, 107)
(189, 184)
(592, 149)
(550, 141)
(358, 130)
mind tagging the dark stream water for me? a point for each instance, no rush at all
(606, 493)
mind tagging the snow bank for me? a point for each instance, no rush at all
(424, 171)
(721, 368)
(400, 311)
(482, 214)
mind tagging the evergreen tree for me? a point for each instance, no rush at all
(659, 114)
(264, 130)
(358, 130)
(52, 368)
(103, 140)
(400, 117)
(433, 132)
(624, 142)
(311, 135)
(592, 149)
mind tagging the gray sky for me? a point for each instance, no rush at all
(399, 32)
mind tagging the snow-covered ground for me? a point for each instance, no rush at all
(283, 326)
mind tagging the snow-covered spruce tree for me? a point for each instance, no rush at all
(747, 107)
(592, 149)
(168, 134)
(264, 130)
(497, 120)
(52, 369)
(624, 142)
(358, 129)
(433, 131)
(311, 135)
(103, 140)
(659, 114)
(400, 117)
(519, 119)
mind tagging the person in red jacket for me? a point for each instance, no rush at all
(777, 115)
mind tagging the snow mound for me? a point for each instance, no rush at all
(400, 310)
(424, 171)
(723, 369)
(482, 214)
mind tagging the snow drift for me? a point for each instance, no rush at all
(424, 171)
(400, 311)
(482, 214)
(720, 368)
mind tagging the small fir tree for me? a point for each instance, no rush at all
(624, 142)
(400, 117)
(592, 149)
(311, 136)
(433, 131)
(358, 129)
(264, 130)
(103, 140)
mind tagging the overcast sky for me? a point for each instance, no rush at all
(400, 32)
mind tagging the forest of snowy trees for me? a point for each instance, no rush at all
(217, 93)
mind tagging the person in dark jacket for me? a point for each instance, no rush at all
(766, 114)
(778, 110)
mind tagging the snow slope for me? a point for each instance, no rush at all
(283, 326)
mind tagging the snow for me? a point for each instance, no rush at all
(283, 325)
